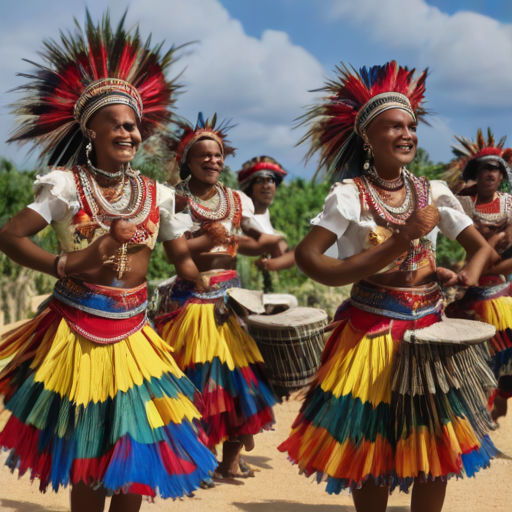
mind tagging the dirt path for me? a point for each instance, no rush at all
(278, 488)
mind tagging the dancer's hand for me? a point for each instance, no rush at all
(122, 231)
(446, 276)
(203, 283)
(419, 224)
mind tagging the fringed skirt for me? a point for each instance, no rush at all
(219, 357)
(491, 303)
(96, 396)
(385, 409)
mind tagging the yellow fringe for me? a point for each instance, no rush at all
(84, 371)
(360, 366)
(497, 312)
(196, 338)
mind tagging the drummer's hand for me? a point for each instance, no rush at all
(419, 224)
(332, 326)
(446, 276)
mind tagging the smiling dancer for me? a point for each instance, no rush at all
(384, 413)
(96, 398)
(259, 179)
(209, 342)
(478, 172)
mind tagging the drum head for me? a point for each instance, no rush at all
(294, 317)
(453, 331)
(250, 300)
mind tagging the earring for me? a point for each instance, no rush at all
(369, 156)
(88, 150)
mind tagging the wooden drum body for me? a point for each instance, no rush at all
(291, 344)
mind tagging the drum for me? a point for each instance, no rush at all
(452, 331)
(291, 344)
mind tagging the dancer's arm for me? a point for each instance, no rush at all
(311, 259)
(479, 252)
(15, 243)
(178, 252)
(287, 260)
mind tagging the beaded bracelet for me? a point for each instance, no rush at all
(61, 266)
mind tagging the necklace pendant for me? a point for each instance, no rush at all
(121, 261)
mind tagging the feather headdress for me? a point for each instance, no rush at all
(352, 101)
(173, 143)
(90, 69)
(259, 166)
(468, 153)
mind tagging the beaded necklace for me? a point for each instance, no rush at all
(395, 184)
(492, 218)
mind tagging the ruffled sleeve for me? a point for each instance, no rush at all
(172, 225)
(247, 205)
(55, 196)
(341, 207)
(452, 219)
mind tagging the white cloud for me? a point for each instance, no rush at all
(469, 54)
(260, 83)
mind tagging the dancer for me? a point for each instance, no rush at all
(384, 413)
(96, 398)
(259, 179)
(477, 173)
(210, 345)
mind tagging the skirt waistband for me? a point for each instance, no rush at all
(220, 282)
(102, 301)
(400, 303)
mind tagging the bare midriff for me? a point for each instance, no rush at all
(424, 275)
(214, 261)
(137, 261)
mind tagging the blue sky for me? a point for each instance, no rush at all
(256, 60)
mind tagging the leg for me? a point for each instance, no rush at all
(371, 498)
(248, 441)
(125, 503)
(500, 407)
(86, 499)
(230, 458)
(428, 496)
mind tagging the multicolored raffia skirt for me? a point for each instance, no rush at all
(219, 357)
(389, 410)
(491, 303)
(96, 396)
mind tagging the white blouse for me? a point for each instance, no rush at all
(343, 215)
(56, 200)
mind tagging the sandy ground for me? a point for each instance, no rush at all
(278, 488)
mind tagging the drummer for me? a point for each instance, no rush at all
(366, 424)
(479, 173)
(259, 179)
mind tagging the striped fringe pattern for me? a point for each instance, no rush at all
(392, 411)
(226, 366)
(117, 415)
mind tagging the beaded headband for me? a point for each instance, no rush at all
(107, 91)
(379, 104)
(259, 169)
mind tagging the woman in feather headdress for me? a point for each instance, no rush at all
(480, 169)
(385, 412)
(96, 399)
(209, 341)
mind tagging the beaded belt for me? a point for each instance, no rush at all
(400, 303)
(100, 313)
(492, 290)
(186, 291)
